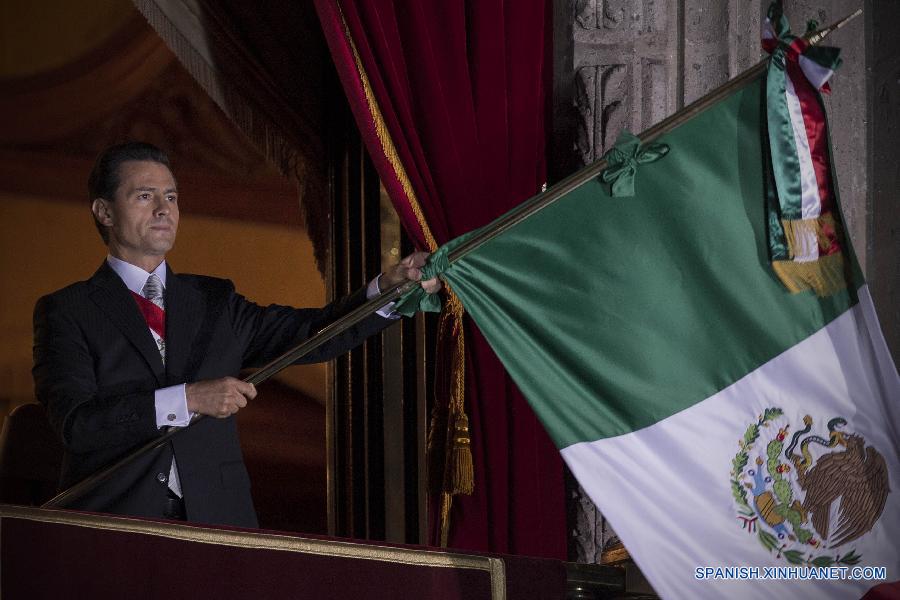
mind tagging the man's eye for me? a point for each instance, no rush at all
(172, 198)
(144, 196)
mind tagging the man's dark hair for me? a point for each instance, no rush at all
(104, 178)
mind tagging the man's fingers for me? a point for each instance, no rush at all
(432, 286)
(246, 389)
(230, 405)
(418, 259)
(219, 397)
(408, 269)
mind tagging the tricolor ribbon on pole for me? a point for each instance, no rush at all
(804, 231)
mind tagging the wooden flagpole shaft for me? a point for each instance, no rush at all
(504, 223)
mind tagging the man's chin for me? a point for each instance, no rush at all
(161, 247)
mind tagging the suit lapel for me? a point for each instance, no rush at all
(113, 298)
(185, 311)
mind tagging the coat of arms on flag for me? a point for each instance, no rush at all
(808, 496)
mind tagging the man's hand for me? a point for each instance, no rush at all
(409, 269)
(218, 397)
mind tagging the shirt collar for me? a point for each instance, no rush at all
(135, 277)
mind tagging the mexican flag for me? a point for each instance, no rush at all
(740, 429)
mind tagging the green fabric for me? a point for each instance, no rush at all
(777, 239)
(611, 316)
(623, 160)
(785, 162)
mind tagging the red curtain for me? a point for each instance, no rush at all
(459, 88)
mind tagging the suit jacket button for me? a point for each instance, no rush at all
(162, 477)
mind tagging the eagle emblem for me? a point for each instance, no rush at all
(808, 494)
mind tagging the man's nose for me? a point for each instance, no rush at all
(162, 206)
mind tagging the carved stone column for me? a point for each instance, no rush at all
(624, 69)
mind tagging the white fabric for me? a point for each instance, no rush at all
(172, 401)
(666, 488)
(815, 73)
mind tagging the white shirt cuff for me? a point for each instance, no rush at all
(386, 311)
(171, 407)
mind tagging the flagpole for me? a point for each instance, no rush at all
(507, 221)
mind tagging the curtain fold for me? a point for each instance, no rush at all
(450, 100)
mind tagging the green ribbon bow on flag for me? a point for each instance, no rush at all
(623, 160)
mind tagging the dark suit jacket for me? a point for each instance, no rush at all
(96, 368)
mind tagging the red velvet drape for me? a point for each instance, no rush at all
(461, 91)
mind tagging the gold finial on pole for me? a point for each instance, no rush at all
(821, 34)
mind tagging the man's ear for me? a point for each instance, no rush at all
(102, 212)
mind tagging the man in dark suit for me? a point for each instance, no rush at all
(138, 348)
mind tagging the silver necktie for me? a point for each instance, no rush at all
(153, 291)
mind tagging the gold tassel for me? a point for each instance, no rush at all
(803, 229)
(463, 474)
(449, 441)
(825, 276)
(461, 470)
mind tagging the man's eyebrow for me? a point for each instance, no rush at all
(153, 189)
